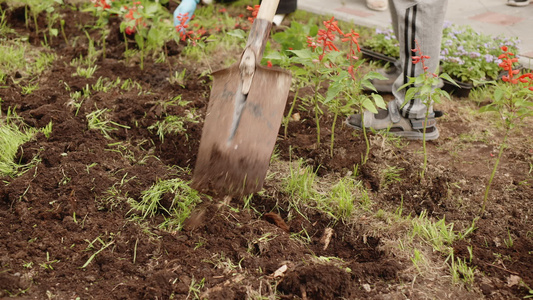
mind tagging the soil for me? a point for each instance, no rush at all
(62, 238)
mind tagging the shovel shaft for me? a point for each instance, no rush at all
(260, 30)
(267, 10)
(258, 37)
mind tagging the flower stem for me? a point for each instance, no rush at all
(424, 167)
(290, 111)
(333, 131)
(367, 142)
(502, 147)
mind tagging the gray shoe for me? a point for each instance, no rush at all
(385, 85)
(518, 2)
(392, 73)
(391, 121)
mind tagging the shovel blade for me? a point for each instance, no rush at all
(236, 145)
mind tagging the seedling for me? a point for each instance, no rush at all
(47, 265)
(424, 87)
(173, 124)
(390, 174)
(85, 72)
(98, 120)
(182, 200)
(513, 102)
(91, 247)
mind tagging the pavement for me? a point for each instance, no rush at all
(492, 17)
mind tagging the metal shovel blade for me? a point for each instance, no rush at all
(240, 131)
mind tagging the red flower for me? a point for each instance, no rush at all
(254, 10)
(269, 64)
(130, 30)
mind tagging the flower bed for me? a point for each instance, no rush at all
(466, 55)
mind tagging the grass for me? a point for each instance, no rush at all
(99, 120)
(183, 199)
(12, 136)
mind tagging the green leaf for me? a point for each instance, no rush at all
(409, 95)
(304, 53)
(447, 77)
(498, 95)
(333, 91)
(369, 105)
(238, 33)
(487, 108)
(379, 101)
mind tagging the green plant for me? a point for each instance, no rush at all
(85, 72)
(466, 55)
(47, 265)
(509, 240)
(384, 41)
(439, 234)
(195, 288)
(14, 133)
(172, 124)
(98, 120)
(91, 247)
(424, 87)
(512, 101)
(294, 37)
(299, 184)
(390, 175)
(173, 197)
(326, 63)
(178, 78)
(460, 270)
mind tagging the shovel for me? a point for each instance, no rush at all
(243, 118)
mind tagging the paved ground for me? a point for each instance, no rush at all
(487, 16)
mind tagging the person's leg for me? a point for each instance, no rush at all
(421, 21)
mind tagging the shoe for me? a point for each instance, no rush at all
(379, 5)
(391, 121)
(278, 19)
(385, 85)
(518, 2)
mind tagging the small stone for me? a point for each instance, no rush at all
(296, 117)
(367, 288)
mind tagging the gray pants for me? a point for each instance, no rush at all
(420, 20)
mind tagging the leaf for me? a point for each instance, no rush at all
(447, 77)
(304, 53)
(498, 95)
(374, 75)
(379, 101)
(368, 84)
(238, 33)
(333, 91)
(369, 105)
(409, 95)
(487, 108)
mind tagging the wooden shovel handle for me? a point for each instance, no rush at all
(261, 28)
(267, 10)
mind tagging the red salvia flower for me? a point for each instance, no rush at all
(254, 10)
(508, 60)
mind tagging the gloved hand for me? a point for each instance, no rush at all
(186, 7)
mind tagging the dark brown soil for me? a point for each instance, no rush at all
(54, 212)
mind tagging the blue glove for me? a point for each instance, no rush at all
(186, 7)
